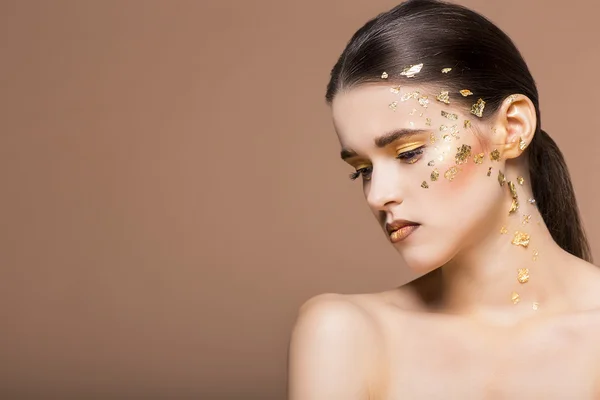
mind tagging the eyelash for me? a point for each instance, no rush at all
(408, 156)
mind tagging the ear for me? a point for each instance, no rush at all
(514, 126)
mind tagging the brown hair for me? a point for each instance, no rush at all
(484, 60)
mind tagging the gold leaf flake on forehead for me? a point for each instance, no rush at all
(443, 128)
(410, 95)
(520, 180)
(384, 75)
(501, 178)
(435, 174)
(523, 275)
(515, 199)
(477, 108)
(495, 155)
(515, 298)
(431, 163)
(526, 219)
(521, 239)
(489, 173)
(463, 153)
(411, 70)
(467, 123)
(446, 70)
(394, 105)
(503, 230)
(450, 116)
(424, 185)
(478, 158)
(414, 110)
(432, 138)
(451, 173)
(412, 124)
(466, 92)
(395, 89)
(424, 101)
(421, 114)
(444, 97)
(428, 121)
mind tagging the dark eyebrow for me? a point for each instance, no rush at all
(386, 139)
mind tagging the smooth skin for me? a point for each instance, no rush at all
(454, 333)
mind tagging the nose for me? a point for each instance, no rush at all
(385, 189)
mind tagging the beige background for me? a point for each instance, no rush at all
(171, 188)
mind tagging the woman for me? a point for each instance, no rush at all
(438, 114)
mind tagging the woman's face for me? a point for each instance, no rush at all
(420, 161)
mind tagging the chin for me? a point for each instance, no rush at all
(423, 259)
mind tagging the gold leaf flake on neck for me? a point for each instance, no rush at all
(444, 97)
(521, 239)
(503, 230)
(435, 174)
(446, 70)
(463, 153)
(523, 275)
(478, 158)
(384, 75)
(451, 173)
(515, 298)
(515, 199)
(411, 70)
(466, 92)
(489, 173)
(395, 89)
(501, 178)
(394, 105)
(495, 155)
(410, 95)
(450, 116)
(535, 255)
(531, 201)
(520, 180)
(467, 123)
(526, 219)
(477, 108)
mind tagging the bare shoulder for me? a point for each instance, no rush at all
(334, 348)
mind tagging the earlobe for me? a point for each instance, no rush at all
(516, 121)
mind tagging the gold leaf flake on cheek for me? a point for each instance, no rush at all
(411, 70)
(520, 180)
(431, 163)
(395, 89)
(501, 178)
(489, 173)
(432, 138)
(410, 95)
(526, 219)
(428, 121)
(515, 298)
(495, 155)
(467, 123)
(444, 97)
(477, 108)
(424, 185)
(384, 75)
(503, 230)
(446, 70)
(394, 105)
(466, 92)
(523, 275)
(451, 173)
(450, 116)
(463, 153)
(435, 174)
(515, 199)
(424, 101)
(521, 239)
(478, 158)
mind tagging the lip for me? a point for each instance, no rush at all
(399, 230)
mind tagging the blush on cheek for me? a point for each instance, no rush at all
(454, 177)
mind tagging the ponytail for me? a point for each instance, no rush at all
(555, 197)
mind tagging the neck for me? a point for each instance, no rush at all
(483, 280)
